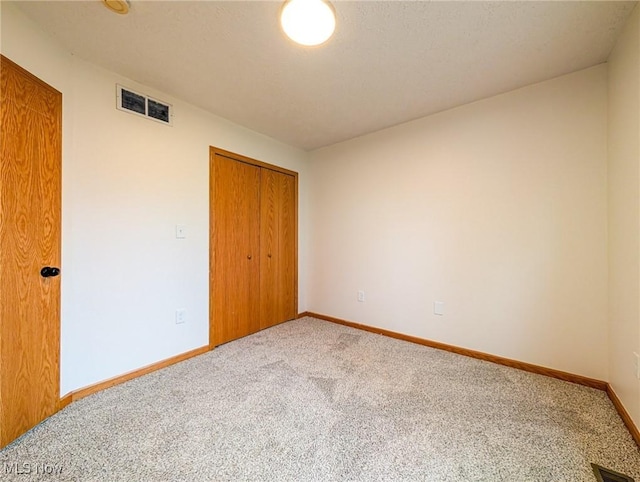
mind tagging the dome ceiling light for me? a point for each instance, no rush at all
(308, 22)
(118, 6)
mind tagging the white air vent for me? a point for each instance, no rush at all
(130, 101)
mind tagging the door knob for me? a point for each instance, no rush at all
(248, 256)
(49, 271)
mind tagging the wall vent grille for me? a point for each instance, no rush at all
(607, 475)
(129, 100)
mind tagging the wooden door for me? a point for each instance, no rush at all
(235, 249)
(277, 248)
(30, 187)
(287, 249)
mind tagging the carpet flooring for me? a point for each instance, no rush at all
(310, 400)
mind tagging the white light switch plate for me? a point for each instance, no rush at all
(181, 231)
(438, 308)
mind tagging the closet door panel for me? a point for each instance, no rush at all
(269, 225)
(287, 248)
(236, 250)
(278, 243)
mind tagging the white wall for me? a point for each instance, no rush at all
(497, 208)
(127, 182)
(624, 214)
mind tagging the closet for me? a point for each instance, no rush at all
(253, 246)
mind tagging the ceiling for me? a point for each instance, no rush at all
(388, 62)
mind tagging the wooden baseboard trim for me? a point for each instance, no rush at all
(624, 415)
(91, 389)
(528, 367)
(64, 401)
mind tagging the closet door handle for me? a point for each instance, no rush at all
(248, 256)
(269, 255)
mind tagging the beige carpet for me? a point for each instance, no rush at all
(313, 401)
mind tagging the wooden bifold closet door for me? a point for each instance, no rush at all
(277, 242)
(253, 246)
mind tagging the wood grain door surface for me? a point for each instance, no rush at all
(287, 248)
(30, 192)
(277, 248)
(235, 253)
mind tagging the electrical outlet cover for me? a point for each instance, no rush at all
(181, 316)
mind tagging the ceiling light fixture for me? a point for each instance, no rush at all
(118, 6)
(308, 22)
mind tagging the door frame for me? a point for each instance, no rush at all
(213, 151)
